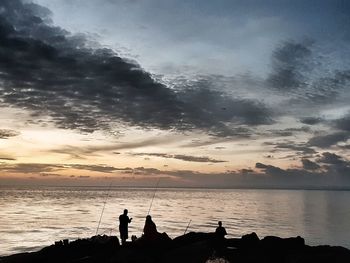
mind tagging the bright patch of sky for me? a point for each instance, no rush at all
(235, 91)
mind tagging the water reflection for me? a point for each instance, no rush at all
(34, 218)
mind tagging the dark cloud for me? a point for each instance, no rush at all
(187, 158)
(301, 70)
(325, 141)
(35, 168)
(289, 131)
(146, 171)
(260, 166)
(246, 171)
(208, 106)
(343, 123)
(309, 165)
(300, 148)
(289, 62)
(331, 158)
(47, 70)
(345, 146)
(328, 171)
(6, 133)
(7, 158)
(335, 164)
(50, 175)
(94, 168)
(311, 120)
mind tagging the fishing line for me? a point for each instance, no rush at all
(149, 210)
(103, 209)
(187, 226)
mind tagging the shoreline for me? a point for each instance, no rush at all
(191, 247)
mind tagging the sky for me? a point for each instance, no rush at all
(191, 93)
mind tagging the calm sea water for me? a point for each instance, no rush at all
(33, 218)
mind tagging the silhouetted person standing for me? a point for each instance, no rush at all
(220, 231)
(124, 221)
(220, 234)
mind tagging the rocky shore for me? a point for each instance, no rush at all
(192, 247)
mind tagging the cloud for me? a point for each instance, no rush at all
(309, 165)
(311, 174)
(335, 164)
(343, 123)
(34, 168)
(43, 168)
(94, 168)
(7, 158)
(80, 152)
(311, 120)
(49, 71)
(146, 171)
(49, 175)
(261, 166)
(328, 171)
(289, 62)
(303, 71)
(6, 133)
(300, 148)
(187, 158)
(330, 158)
(324, 141)
(289, 131)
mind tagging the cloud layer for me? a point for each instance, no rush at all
(328, 171)
(49, 71)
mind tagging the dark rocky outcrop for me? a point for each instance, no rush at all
(192, 247)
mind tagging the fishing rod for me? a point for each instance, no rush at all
(149, 210)
(187, 226)
(103, 209)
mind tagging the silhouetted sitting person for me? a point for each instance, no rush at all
(124, 220)
(150, 229)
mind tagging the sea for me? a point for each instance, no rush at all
(32, 218)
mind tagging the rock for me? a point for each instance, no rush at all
(249, 241)
(191, 248)
(272, 242)
(192, 237)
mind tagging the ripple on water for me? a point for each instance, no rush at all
(36, 217)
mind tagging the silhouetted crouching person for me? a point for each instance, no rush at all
(124, 220)
(150, 229)
(150, 234)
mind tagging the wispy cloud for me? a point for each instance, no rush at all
(187, 158)
(7, 133)
(92, 150)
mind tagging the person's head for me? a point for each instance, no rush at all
(148, 218)
(125, 211)
(220, 223)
